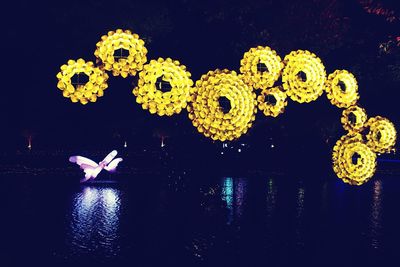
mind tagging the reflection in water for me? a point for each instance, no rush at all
(271, 197)
(233, 193)
(95, 220)
(300, 203)
(240, 192)
(376, 210)
(271, 207)
(227, 196)
(300, 215)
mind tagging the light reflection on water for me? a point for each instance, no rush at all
(376, 220)
(268, 219)
(233, 193)
(271, 209)
(300, 216)
(271, 197)
(95, 220)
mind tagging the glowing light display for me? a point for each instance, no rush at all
(82, 92)
(304, 76)
(261, 67)
(222, 104)
(92, 169)
(353, 161)
(342, 89)
(163, 87)
(222, 107)
(110, 52)
(382, 135)
(272, 102)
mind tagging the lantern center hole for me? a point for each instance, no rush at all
(355, 157)
(270, 99)
(342, 86)
(261, 67)
(302, 76)
(120, 53)
(79, 79)
(225, 104)
(352, 118)
(162, 85)
(378, 136)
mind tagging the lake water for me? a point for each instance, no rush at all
(186, 220)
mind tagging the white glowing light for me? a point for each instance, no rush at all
(272, 146)
(162, 142)
(125, 144)
(110, 198)
(239, 150)
(92, 169)
(30, 143)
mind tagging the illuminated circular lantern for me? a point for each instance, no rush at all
(303, 76)
(261, 67)
(71, 81)
(353, 119)
(353, 161)
(121, 52)
(342, 89)
(382, 135)
(222, 105)
(163, 87)
(272, 102)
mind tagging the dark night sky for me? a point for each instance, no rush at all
(38, 37)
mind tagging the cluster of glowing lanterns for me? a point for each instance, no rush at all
(222, 104)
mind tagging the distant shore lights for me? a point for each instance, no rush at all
(222, 104)
(30, 142)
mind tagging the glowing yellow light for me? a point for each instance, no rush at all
(353, 119)
(222, 105)
(272, 102)
(109, 52)
(261, 67)
(382, 135)
(353, 161)
(303, 76)
(79, 92)
(211, 117)
(342, 89)
(163, 87)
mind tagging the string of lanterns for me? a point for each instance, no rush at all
(222, 104)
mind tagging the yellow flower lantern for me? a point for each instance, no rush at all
(353, 161)
(382, 135)
(223, 106)
(163, 87)
(303, 76)
(342, 89)
(261, 67)
(272, 102)
(353, 119)
(110, 50)
(82, 92)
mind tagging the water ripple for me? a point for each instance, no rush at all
(94, 221)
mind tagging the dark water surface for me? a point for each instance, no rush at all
(183, 220)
